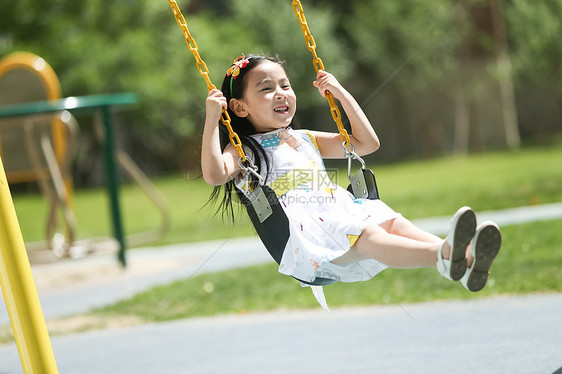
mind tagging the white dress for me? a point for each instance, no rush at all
(325, 219)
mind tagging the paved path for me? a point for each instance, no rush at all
(515, 335)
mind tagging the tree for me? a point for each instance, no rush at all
(102, 47)
(485, 102)
(423, 69)
(534, 31)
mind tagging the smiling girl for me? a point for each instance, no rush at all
(332, 234)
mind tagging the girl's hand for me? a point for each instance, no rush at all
(327, 82)
(214, 104)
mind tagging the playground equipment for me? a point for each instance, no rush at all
(37, 134)
(44, 125)
(38, 148)
(20, 294)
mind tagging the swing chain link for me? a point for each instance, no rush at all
(191, 44)
(202, 68)
(319, 65)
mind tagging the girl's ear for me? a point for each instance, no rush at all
(238, 107)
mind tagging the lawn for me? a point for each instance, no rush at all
(416, 189)
(530, 259)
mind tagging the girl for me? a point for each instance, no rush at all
(332, 234)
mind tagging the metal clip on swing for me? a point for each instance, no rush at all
(362, 184)
(260, 203)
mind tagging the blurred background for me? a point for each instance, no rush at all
(437, 78)
(434, 76)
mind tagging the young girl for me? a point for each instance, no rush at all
(332, 234)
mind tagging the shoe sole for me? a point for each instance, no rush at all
(464, 232)
(487, 246)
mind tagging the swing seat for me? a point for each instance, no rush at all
(274, 230)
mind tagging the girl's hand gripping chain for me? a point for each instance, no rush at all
(214, 105)
(218, 167)
(327, 82)
(362, 136)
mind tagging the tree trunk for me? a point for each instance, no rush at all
(505, 82)
(485, 103)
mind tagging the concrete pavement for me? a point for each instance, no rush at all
(515, 335)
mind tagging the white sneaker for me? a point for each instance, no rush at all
(461, 231)
(484, 249)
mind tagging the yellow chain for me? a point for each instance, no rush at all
(202, 67)
(319, 65)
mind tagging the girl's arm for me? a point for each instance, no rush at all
(218, 167)
(362, 136)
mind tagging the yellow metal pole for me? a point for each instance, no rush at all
(20, 294)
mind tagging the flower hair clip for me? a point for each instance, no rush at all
(238, 64)
(234, 70)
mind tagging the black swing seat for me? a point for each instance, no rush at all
(272, 225)
(274, 230)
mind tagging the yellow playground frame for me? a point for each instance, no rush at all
(20, 293)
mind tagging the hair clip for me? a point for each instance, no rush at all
(238, 64)
(234, 70)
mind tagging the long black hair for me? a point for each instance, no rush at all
(244, 128)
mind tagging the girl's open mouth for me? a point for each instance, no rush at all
(281, 109)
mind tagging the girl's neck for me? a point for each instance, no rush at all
(276, 130)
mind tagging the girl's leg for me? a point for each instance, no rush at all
(398, 243)
(403, 227)
(396, 251)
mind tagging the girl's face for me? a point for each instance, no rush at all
(269, 101)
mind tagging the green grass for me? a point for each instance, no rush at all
(488, 181)
(416, 189)
(530, 261)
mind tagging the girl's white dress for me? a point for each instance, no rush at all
(325, 219)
